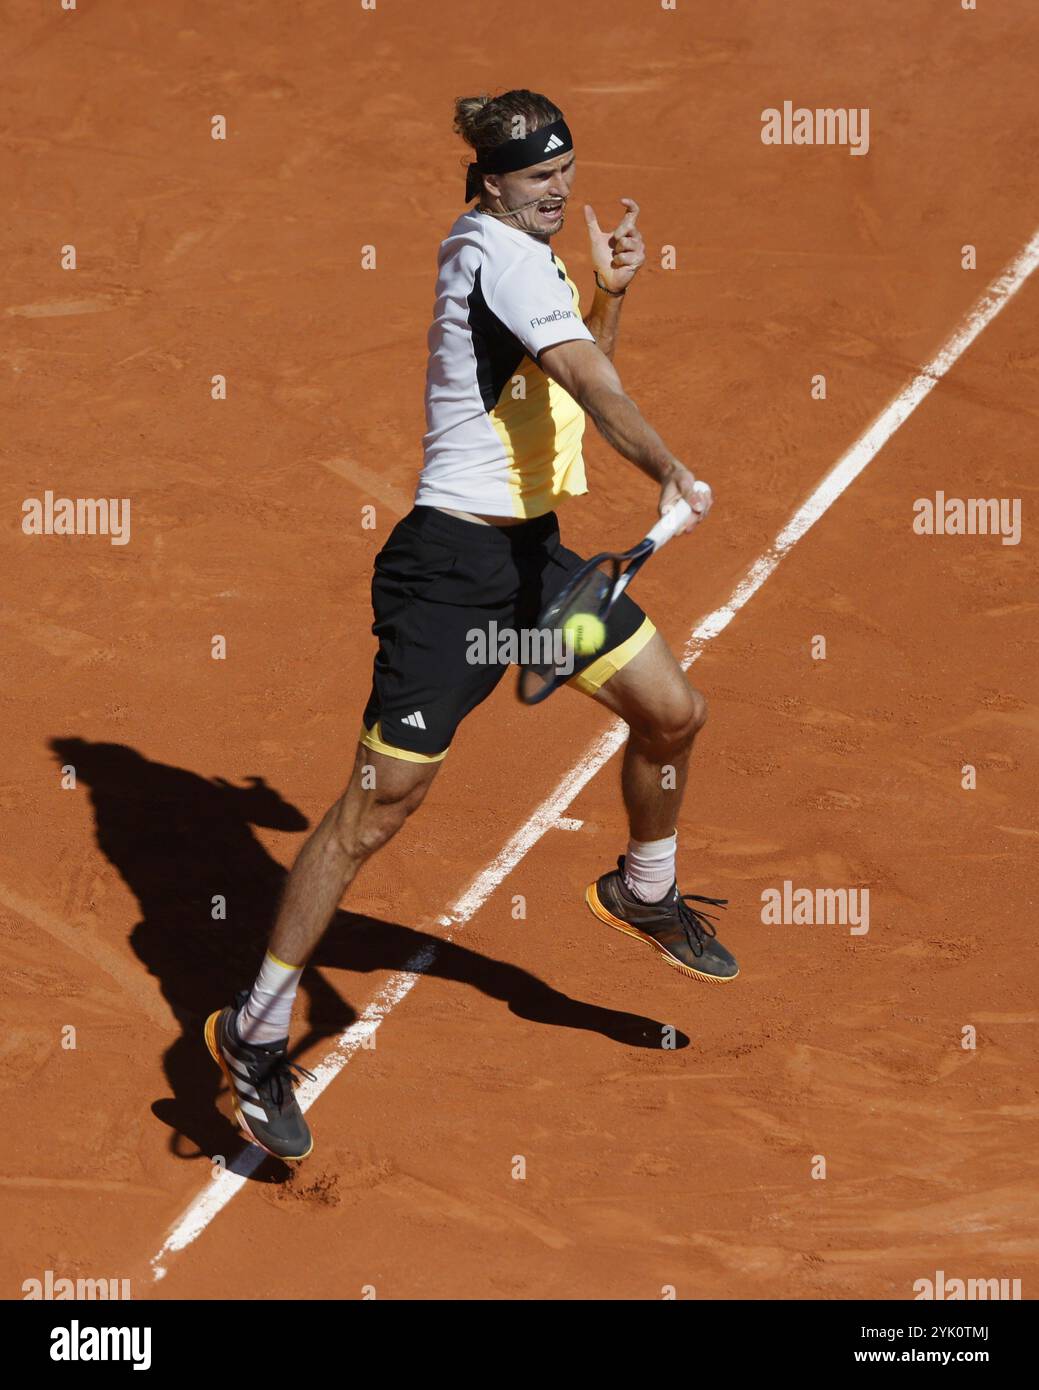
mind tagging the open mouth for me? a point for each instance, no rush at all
(551, 211)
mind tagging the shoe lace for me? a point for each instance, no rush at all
(280, 1077)
(695, 923)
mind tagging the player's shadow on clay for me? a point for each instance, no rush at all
(182, 842)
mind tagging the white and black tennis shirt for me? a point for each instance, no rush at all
(502, 438)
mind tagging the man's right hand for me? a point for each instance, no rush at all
(698, 494)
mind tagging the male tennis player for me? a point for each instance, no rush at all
(513, 368)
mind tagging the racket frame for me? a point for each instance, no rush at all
(669, 524)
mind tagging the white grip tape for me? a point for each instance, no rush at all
(670, 523)
(675, 518)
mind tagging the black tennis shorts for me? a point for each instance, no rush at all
(439, 582)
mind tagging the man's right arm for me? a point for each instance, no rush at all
(587, 374)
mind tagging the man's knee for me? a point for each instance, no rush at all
(698, 712)
(371, 811)
(676, 719)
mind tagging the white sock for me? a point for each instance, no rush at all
(267, 1012)
(649, 867)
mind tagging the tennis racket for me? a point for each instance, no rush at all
(593, 590)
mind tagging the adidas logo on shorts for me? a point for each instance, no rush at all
(415, 720)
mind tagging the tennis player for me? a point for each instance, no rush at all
(513, 370)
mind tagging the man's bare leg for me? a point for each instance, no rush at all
(250, 1043)
(382, 793)
(664, 713)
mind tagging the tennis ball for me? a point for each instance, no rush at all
(585, 632)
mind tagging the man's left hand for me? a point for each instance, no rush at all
(616, 255)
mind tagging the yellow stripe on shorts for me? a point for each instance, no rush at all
(372, 738)
(595, 676)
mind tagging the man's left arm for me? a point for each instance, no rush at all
(616, 257)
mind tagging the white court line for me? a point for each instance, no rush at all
(221, 1190)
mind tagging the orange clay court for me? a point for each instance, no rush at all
(501, 1037)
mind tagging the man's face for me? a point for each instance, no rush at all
(544, 187)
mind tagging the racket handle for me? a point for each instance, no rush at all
(676, 517)
(670, 523)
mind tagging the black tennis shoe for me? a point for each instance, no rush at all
(682, 934)
(260, 1078)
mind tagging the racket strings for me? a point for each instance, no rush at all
(590, 596)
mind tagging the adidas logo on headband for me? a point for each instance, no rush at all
(554, 143)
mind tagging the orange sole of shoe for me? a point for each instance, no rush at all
(591, 897)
